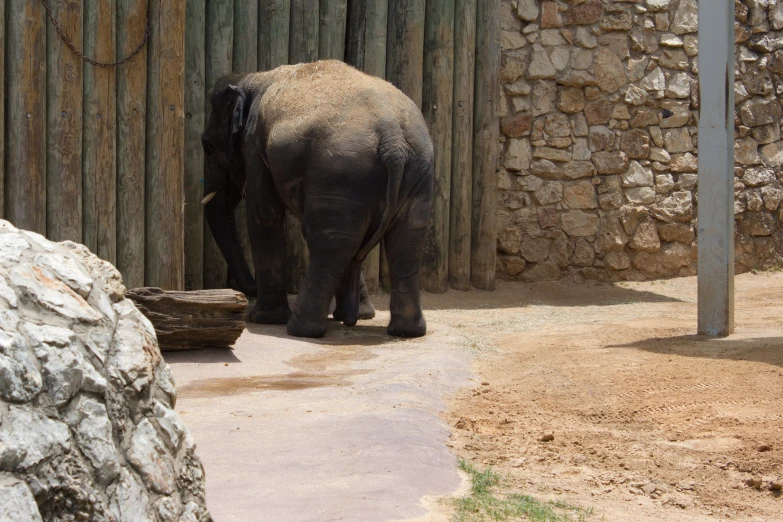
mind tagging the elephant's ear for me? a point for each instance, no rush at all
(238, 114)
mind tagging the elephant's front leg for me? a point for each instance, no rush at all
(266, 220)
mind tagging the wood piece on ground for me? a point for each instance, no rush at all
(192, 320)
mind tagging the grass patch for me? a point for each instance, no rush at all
(487, 503)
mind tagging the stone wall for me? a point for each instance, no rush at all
(599, 164)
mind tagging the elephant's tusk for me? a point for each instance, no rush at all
(208, 198)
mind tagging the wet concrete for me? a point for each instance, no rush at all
(344, 428)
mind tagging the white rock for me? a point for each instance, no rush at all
(27, 437)
(658, 5)
(150, 458)
(637, 176)
(635, 95)
(68, 272)
(170, 423)
(655, 81)
(659, 154)
(560, 57)
(89, 419)
(17, 503)
(640, 195)
(43, 289)
(584, 38)
(686, 19)
(38, 240)
(65, 369)
(679, 86)
(550, 37)
(527, 10)
(130, 501)
(510, 40)
(518, 155)
(11, 248)
(20, 380)
(540, 67)
(671, 40)
(6, 292)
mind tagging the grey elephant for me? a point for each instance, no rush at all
(350, 156)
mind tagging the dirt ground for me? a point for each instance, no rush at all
(650, 422)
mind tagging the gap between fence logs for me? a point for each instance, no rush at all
(111, 157)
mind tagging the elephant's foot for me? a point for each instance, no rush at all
(277, 315)
(300, 327)
(400, 327)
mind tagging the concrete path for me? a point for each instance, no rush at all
(344, 428)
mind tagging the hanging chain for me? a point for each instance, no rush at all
(80, 54)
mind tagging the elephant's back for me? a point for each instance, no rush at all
(329, 94)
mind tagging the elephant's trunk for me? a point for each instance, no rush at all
(222, 223)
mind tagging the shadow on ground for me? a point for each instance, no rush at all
(519, 295)
(738, 347)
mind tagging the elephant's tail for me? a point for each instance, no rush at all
(394, 159)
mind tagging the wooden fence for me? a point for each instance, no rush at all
(111, 156)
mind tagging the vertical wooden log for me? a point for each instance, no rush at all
(99, 174)
(2, 109)
(64, 125)
(405, 46)
(486, 134)
(165, 264)
(331, 34)
(437, 95)
(25, 184)
(245, 60)
(195, 107)
(716, 169)
(219, 59)
(366, 50)
(302, 47)
(131, 137)
(274, 21)
(303, 34)
(462, 145)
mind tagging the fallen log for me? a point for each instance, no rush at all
(191, 320)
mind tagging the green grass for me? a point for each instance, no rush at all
(487, 503)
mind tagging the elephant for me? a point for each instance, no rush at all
(350, 156)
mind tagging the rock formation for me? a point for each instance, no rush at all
(88, 430)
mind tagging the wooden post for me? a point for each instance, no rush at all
(99, 175)
(131, 137)
(64, 124)
(437, 96)
(331, 34)
(366, 50)
(486, 134)
(462, 145)
(302, 47)
(405, 46)
(274, 21)
(245, 60)
(219, 59)
(25, 186)
(195, 107)
(165, 264)
(716, 168)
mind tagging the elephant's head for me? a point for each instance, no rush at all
(224, 180)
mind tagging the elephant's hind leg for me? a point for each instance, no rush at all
(365, 310)
(333, 235)
(404, 244)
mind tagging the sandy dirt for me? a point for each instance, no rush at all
(650, 422)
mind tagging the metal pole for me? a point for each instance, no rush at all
(716, 168)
